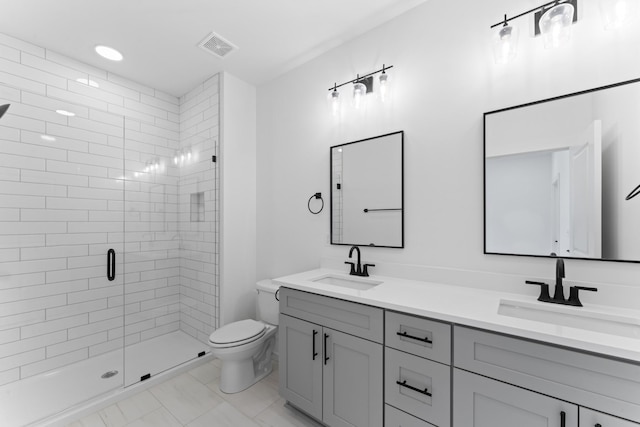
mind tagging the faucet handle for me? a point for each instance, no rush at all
(544, 290)
(353, 268)
(365, 271)
(573, 294)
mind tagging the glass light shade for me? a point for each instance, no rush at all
(505, 44)
(615, 13)
(334, 102)
(555, 25)
(384, 86)
(359, 94)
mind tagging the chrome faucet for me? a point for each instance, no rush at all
(358, 269)
(558, 294)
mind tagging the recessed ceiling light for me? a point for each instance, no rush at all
(65, 113)
(88, 82)
(109, 53)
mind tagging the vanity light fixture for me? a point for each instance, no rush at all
(359, 92)
(505, 43)
(361, 86)
(384, 84)
(555, 25)
(334, 100)
(552, 20)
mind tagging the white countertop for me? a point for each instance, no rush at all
(476, 308)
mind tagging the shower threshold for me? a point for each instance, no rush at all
(42, 399)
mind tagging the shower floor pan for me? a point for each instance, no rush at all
(40, 399)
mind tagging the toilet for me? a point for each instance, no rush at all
(245, 347)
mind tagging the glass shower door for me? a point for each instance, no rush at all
(161, 331)
(61, 302)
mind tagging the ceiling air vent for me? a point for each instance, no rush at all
(216, 45)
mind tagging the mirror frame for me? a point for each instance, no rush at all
(484, 167)
(331, 184)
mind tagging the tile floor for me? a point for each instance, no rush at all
(193, 399)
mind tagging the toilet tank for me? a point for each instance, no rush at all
(267, 307)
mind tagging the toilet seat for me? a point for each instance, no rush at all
(237, 333)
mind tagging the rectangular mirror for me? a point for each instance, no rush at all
(367, 188)
(559, 176)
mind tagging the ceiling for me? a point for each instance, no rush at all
(159, 38)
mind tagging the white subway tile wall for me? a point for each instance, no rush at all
(73, 187)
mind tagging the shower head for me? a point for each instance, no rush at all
(3, 109)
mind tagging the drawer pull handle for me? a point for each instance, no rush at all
(410, 387)
(315, 353)
(563, 419)
(598, 425)
(404, 334)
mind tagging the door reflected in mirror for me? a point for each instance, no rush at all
(367, 203)
(557, 173)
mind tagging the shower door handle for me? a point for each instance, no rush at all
(111, 264)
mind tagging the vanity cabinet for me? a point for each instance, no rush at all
(534, 383)
(417, 367)
(483, 402)
(331, 358)
(590, 418)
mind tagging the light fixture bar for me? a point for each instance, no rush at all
(359, 77)
(536, 9)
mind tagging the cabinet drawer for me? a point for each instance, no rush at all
(589, 418)
(396, 418)
(419, 336)
(356, 319)
(431, 405)
(604, 384)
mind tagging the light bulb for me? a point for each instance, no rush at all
(384, 86)
(555, 25)
(359, 92)
(335, 102)
(505, 44)
(175, 159)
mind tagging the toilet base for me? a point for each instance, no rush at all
(239, 375)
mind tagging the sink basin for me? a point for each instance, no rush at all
(574, 317)
(350, 282)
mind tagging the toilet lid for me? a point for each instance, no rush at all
(237, 333)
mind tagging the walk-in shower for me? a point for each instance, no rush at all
(108, 241)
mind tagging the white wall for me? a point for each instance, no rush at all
(444, 79)
(238, 199)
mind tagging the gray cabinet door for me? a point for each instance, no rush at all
(481, 402)
(352, 381)
(301, 367)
